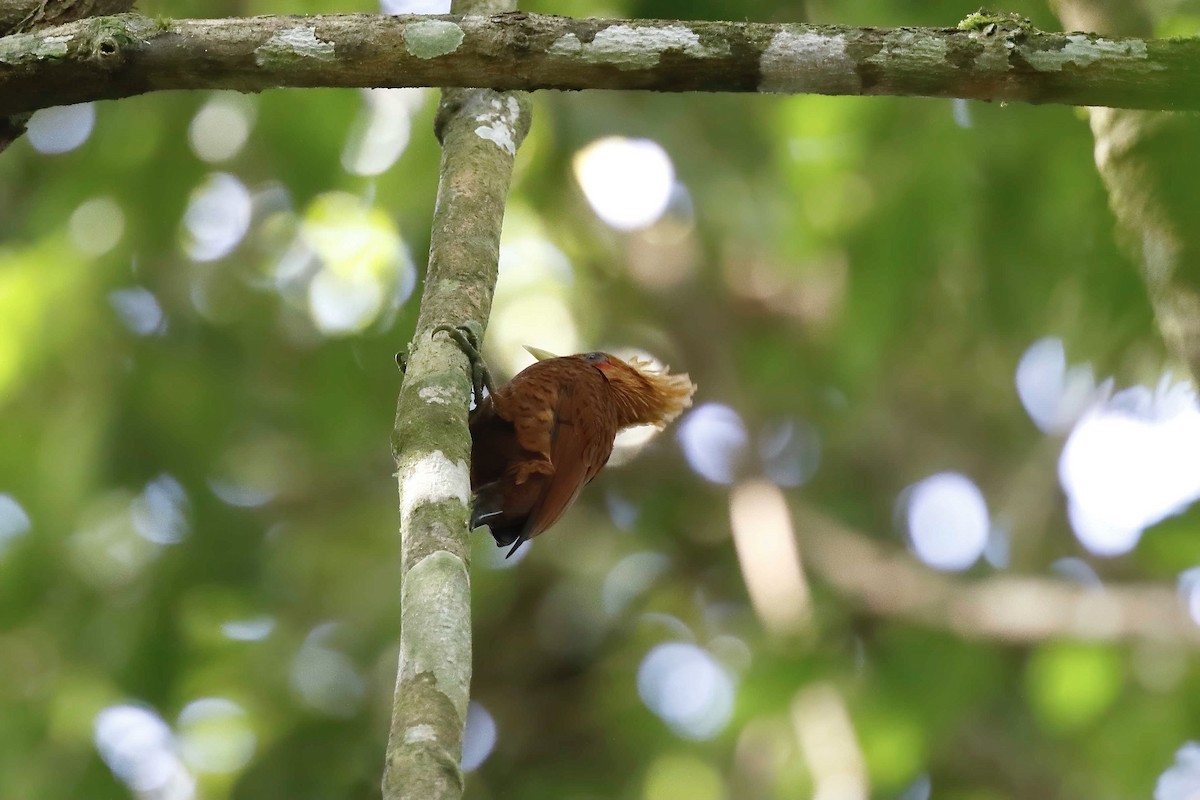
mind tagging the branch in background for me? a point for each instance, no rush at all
(989, 59)
(1022, 610)
(19, 16)
(1148, 163)
(480, 130)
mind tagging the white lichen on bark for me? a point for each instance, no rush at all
(498, 124)
(1082, 51)
(440, 395)
(53, 46)
(291, 44)
(782, 71)
(432, 38)
(432, 479)
(629, 47)
(420, 733)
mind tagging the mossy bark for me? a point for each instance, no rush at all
(480, 130)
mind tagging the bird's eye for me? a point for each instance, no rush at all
(595, 358)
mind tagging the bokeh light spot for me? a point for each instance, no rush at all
(251, 629)
(1077, 570)
(539, 319)
(215, 736)
(998, 550)
(630, 577)
(107, 551)
(1131, 462)
(62, 128)
(14, 522)
(1181, 781)
(622, 511)
(947, 521)
(479, 737)
(137, 745)
(1054, 395)
(921, 788)
(240, 495)
(344, 302)
(96, 226)
(382, 130)
(961, 109)
(790, 450)
(138, 309)
(714, 441)
(1070, 685)
(324, 677)
(217, 217)
(1189, 592)
(530, 306)
(627, 182)
(365, 270)
(687, 688)
(160, 512)
(221, 126)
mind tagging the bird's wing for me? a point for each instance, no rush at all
(572, 451)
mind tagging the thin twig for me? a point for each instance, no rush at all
(1017, 609)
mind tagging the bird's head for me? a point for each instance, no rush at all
(644, 394)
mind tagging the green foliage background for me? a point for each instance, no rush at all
(908, 262)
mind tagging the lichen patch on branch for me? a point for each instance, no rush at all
(432, 479)
(1083, 51)
(432, 38)
(438, 395)
(629, 47)
(291, 44)
(498, 124)
(53, 46)
(420, 733)
(780, 62)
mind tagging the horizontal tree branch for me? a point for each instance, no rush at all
(1007, 608)
(984, 59)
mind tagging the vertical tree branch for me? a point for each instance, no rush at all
(480, 131)
(1148, 162)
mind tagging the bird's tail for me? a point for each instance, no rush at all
(486, 511)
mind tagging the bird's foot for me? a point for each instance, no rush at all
(469, 337)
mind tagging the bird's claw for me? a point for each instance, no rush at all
(468, 337)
